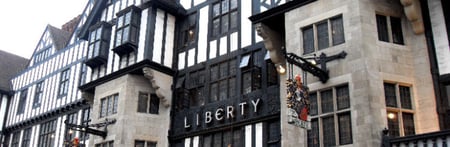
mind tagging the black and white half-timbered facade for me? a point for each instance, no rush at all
(46, 92)
(209, 73)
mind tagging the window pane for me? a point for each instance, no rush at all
(308, 40)
(196, 97)
(103, 108)
(237, 138)
(120, 22)
(154, 104)
(99, 33)
(139, 143)
(327, 101)
(389, 93)
(133, 34)
(256, 79)
(119, 38)
(227, 138)
(92, 36)
(337, 29)
(328, 131)
(216, 27)
(397, 33)
(225, 23)
(343, 97)
(142, 102)
(232, 87)
(127, 18)
(214, 73)
(223, 90)
(97, 49)
(151, 144)
(126, 32)
(244, 61)
(393, 124)
(233, 4)
(313, 104)
(405, 97)
(274, 131)
(223, 69)
(217, 139)
(225, 6)
(322, 35)
(408, 124)
(110, 105)
(232, 67)
(246, 82)
(216, 10)
(207, 141)
(272, 75)
(382, 28)
(116, 101)
(213, 92)
(345, 129)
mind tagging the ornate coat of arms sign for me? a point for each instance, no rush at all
(298, 103)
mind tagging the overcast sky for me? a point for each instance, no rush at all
(23, 21)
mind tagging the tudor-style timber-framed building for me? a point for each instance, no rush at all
(46, 91)
(14, 64)
(207, 73)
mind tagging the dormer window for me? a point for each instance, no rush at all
(127, 30)
(100, 35)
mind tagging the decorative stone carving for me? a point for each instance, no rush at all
(273, 43)
(158, 85)
(414, 14)
(89, 97)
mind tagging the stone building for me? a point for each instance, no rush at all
(388, 80)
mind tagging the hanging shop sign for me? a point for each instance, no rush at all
(298, 103)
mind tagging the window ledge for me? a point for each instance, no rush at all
(125, 48)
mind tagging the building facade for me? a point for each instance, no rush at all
(45, 93)
(386, 81)
(207, 73)
(14, 64)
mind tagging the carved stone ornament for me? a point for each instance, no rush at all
(273, 43)
(157, 85)
(414, 14)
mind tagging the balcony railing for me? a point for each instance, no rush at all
(434, 139)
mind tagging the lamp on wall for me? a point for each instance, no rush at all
(280, 69)
(391, 115)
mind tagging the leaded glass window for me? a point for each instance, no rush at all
(330, 126)
(22, 101)
(383, 34)
(327, 101)
(390, 96)
(38, 94)
(225, 17)
(64, 83)
(400, 117)
(329, 138)
(345, 128)
(323, 34)
(47, 134)
(343, 97)
(109, 105)
(395, 28)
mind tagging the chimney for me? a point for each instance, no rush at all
(71, 25)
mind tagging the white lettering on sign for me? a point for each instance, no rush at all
(227, 112)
